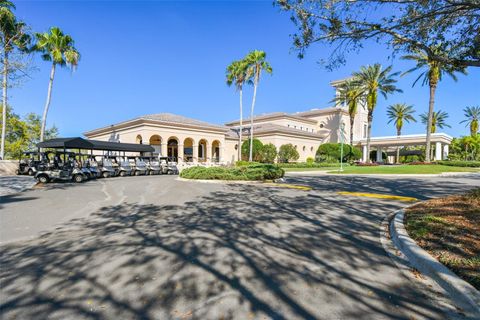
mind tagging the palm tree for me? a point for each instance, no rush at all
(237, 73)
(473, 117)
(13, 36)
(438, 120)
(431, 73)
(350, 92)
(400, 113)
(59, 49)
(256, 62)
(374, 80)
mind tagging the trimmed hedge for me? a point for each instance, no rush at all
(252, 172)
(458, 163)
(310, 165)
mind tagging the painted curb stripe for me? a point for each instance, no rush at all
(377, 195)
(290, 186)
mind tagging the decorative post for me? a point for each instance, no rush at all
(438, 151)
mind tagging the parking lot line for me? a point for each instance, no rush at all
(289, 186)
(377, 195)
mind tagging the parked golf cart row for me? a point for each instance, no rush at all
(69, 166)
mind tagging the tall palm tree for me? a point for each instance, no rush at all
(350, 92)
(58, 48)
(400, 113)
(13, 36)
(374, 80)
(473, 118)
(238, 74)
(256, 62)
(432, 72)
(438, 120)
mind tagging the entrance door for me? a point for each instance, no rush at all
(172, 149)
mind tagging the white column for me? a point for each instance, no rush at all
(195, 153)
(221, 151)
(379, 154)
(163, 149)
(364, 154)
(445, 152)
(438, 151)
(180, 153)
(208, 156)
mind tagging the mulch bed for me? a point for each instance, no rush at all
(449, 229)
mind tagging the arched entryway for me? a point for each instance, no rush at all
(202, 150)
(216, 151)
(156, 142)
(188, 150)
(172, 148)
(139, 139)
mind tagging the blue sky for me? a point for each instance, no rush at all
(151, 57)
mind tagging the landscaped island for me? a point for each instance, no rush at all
(449, 229)
(259, 172)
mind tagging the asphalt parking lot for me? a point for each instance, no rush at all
(158, 248)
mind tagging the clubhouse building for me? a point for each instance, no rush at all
(193, 141)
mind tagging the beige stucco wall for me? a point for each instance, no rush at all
(306, 147)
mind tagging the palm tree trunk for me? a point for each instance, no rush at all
(240, 129)
(255, 84)
(433, 87)
(47, 104)
(397, 159)
(352, 121)
(4, 106)
(369, 134)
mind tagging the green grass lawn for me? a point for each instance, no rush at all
(404, 169)
(309, 169)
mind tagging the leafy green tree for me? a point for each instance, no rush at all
(374, 80)
(237, 74)
(400, 113)
(350, 92)
(23, 134)
(431, 73)
(13, 39)
(472, 115)
(402, 25)
(57, 47)
(287, 153)
(331, 152)
(439, 120)
(256, 149)
(256, 62)
(465, 148)
(269, 153)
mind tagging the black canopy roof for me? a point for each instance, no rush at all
(80, 143)
(118, 146)
(67, 143)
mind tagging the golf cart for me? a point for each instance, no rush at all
(139, 167)
(105, 167)
(168, 166)
(84, 165)
(29, 162)
(123, 167)
(153, 165)
(55, 168)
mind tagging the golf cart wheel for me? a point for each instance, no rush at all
(105, 174)
(78, 178)
(169, 172)
(151, 172)
(43, 179)
(30, 172)
(122, 174)
(137, 173)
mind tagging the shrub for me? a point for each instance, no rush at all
(471, 164)
(256, 150)
(269, 153)
(309, 165)
(288, 153)
(331, 152)
(244, 163)
(251, 172)
(310, 160)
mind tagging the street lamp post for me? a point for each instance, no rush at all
(342, 127)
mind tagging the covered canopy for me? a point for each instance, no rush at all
(80, 143)
(118, 146)
(66, 143)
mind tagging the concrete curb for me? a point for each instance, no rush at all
(462, 293)
(221, 181)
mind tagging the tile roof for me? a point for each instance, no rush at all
(175, 118)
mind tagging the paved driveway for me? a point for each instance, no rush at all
(157, 248)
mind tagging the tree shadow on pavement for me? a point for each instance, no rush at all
(246, 253)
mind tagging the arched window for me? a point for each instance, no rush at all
(139, 139)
